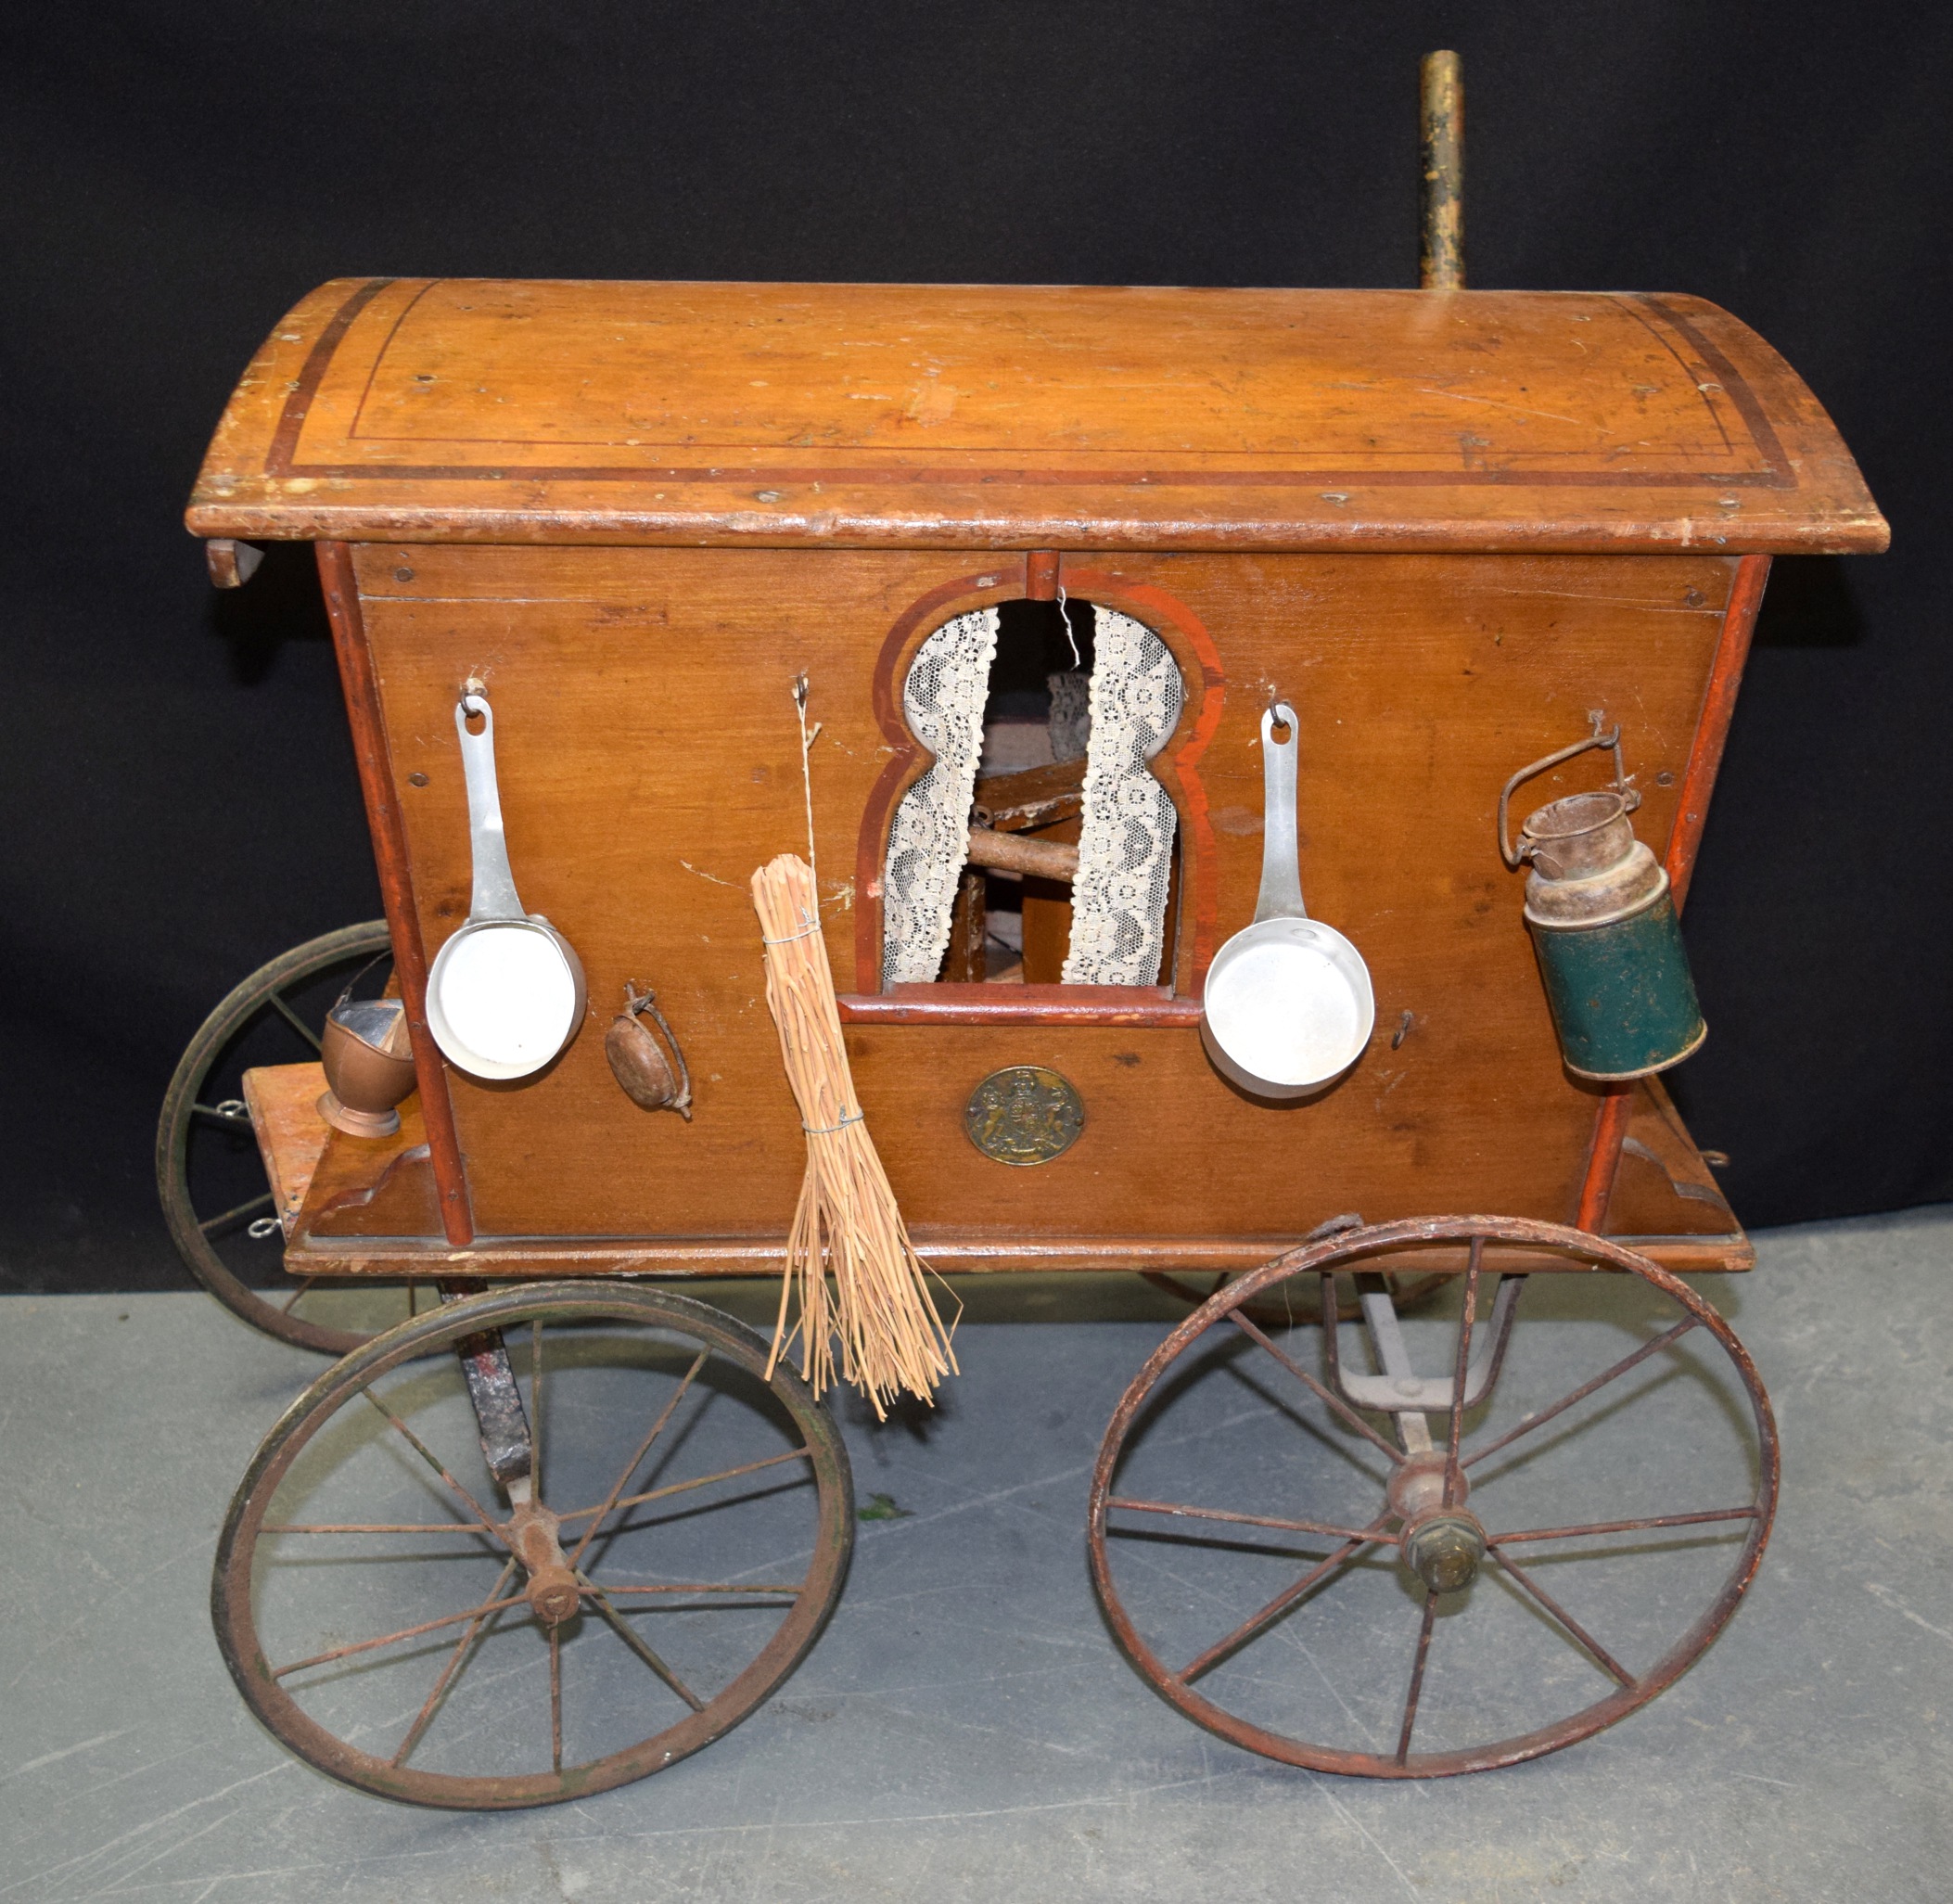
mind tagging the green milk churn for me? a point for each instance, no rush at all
(1604, 926)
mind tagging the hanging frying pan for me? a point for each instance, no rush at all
(507, 992)
(1288, 1006)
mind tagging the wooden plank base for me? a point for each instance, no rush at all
(1665, 1203)
(283, 1101)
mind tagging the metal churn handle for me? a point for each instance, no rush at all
(1611, 738)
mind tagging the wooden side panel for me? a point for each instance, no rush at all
(649, 762)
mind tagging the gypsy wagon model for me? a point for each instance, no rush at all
(1415, 541)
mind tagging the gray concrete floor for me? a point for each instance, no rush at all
(966, 1729)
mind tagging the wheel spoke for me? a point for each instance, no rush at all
(1468, 1314)
(1530, 1421)
(287, 1308)
(421, 1449)
(372, 1527)
(680, 1488)
(1336, 1404)
(1279, 1604)
(1659, 1520)
(535, 1408)
(293, 1019)
(644, 1447)
(1251, 1520)
(426, 1715)
(1521, 1578)
(714, 1587)
(630, 1639)
(556, 1699)
(211, 1225)
(431, 1626)
(1424, 1653)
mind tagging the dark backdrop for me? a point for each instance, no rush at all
(180, 801)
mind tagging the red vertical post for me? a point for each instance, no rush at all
(389, 853)
(1692, 812)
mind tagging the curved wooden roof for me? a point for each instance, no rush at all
(997, 416)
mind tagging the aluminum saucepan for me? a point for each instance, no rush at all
(1288, 1006)
(507, 992)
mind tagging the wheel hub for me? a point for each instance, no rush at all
(1444, 1549)
(1417, 1487)
(1441, 1543)
(553, 1594)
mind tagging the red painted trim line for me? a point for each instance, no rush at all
(389, 853)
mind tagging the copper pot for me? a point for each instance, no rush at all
(369, 1066)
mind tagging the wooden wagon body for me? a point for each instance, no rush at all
(1446, 527)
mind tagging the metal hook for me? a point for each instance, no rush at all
(1630, 795)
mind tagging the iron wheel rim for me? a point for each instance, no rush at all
(1517, 1748)
(182, 1108)
(231, 1588)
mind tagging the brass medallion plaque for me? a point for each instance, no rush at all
(1024, 1114)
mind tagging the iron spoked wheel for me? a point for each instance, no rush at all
(1358, 1590)
(388, 1611)
(208, 1172)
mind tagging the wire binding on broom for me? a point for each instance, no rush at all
(847, 1224)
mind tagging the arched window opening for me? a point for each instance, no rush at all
(1038, 848)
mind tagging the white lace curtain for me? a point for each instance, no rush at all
(1125, 842)
(1119, 898)
(943, 699)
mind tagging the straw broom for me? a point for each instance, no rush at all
(846, 1223)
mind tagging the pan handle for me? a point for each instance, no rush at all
(493, 896)
(1281, 895)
